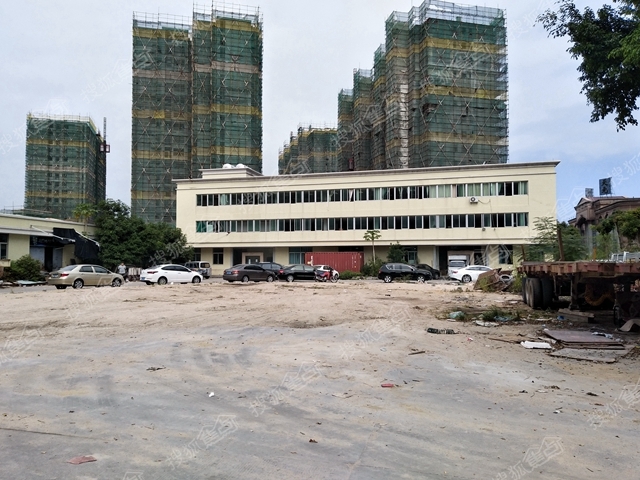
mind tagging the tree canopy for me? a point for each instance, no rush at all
(372, 236)
(627, 223)
(545, 246)
(396, 253)
(128, 239)
(84, 212)
(607, 43)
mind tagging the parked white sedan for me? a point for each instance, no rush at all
(470, 273)
(163, 274)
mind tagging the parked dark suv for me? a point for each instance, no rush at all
(389, 271)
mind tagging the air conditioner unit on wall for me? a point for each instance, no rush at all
(473, 200)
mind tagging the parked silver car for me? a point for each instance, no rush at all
(77, 276)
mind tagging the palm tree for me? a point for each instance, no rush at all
(83, 212)
(372, 236)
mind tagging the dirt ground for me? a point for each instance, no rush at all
(226, 381)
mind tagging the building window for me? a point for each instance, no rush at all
(296, 254)
(247, 199)
(284, 197)
(4, 245)
(474, 189)
(523, 219)
(197, 254)
(489, 220)
(321, 196)
(505, 254)
(508, 220)
(218, 256)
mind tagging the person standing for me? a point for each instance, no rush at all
(122, 270)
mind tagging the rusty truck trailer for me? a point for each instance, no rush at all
(591, 286)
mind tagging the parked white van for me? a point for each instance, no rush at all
(203, 268)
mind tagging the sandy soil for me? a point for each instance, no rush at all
(126, 375)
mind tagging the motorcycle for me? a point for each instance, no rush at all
(327, 275)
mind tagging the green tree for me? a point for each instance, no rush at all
(84, 212)
(396, 253)
(604, 245)
(372, 236)
(627, 224)
(607, 43)
(128, 239)
(545, 245)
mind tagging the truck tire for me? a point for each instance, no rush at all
(534, 293)
(547, 292)
(524, 290)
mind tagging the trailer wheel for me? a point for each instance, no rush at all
(618, 318)
(547, 292)
(534, 293)
(524, 289)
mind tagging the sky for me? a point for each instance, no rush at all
(74, 58)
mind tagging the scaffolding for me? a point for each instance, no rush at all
(363, 117)
(379, 93)
(345, 130)
(460, 109)
(312, 150)
(65, 165)
(197, 100)
(438, 94)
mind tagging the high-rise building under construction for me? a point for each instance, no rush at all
(312, 150)
(197, 101)
(66, 165)
(437, 94)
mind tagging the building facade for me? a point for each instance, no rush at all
(197, 101)
(66, 165)
(486, 212)
(590, 212)
(313, 150)
(54, 243)
(437, 94)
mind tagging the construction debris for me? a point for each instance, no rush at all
(536, 345)
(446, 331)
(576, 316)
(508, 338)
(584, 340)
(482, 323)
(82, 459)
(493, 281)
(592, 355)
(627, 327)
